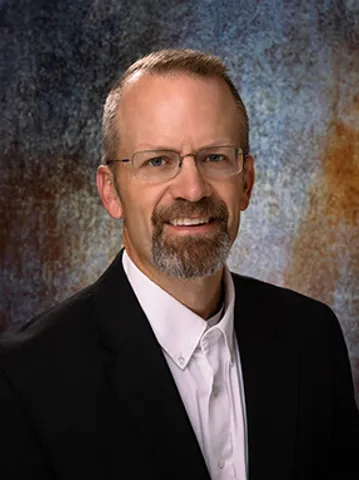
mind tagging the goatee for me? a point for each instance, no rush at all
(191, 256)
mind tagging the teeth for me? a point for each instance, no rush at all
(188, 221)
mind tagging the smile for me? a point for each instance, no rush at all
(187, 222)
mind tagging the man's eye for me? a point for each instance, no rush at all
(156, 162)
(214, 158)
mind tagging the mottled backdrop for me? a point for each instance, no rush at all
(297, 66)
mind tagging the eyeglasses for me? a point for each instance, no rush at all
(161, 165)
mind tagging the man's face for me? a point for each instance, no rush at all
(184, 113)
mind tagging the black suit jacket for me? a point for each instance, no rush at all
(86, 393)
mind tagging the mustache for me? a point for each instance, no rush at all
(205, 207)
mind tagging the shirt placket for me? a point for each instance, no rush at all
(219, 408)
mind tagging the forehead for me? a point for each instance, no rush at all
(177, 106)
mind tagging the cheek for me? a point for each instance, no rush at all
(139, 204)
(230, 194)
(136, 214)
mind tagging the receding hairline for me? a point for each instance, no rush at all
(132, 79)
(172, 60)
(177, 72)
(168, 63)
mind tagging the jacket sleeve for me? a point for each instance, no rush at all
(21, 456)
(345, 431)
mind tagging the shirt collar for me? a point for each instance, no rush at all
(226, 323)
(177, 329)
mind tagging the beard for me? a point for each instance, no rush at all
(191, 256)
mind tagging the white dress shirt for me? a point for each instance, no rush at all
(204, 360)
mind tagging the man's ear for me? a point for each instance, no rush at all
(107, 191)
(248, 182)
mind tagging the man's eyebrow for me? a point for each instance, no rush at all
(217, 143)
(154, 147)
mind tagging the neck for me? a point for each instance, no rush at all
(203, 296)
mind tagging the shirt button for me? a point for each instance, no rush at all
(220, 463)
(181, 360)
(215, 391)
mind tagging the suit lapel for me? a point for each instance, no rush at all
(270, 377)
(141, 381)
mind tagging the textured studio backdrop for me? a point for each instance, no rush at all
(296, 64)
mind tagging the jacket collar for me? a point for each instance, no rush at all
(114, 304)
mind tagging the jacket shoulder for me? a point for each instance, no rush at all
(57, 323)
(275, 294)
(284, 309)
(55, 350)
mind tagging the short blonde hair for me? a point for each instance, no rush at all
(164, 62)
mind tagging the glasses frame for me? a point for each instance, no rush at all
(238, 151)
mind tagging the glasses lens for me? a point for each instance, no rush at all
(156, 165)
(220, 161)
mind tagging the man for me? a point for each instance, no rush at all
(170, 367)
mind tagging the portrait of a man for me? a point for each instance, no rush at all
(169, 365)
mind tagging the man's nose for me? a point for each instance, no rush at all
(190, 182)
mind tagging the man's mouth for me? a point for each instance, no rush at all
(189, 222)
